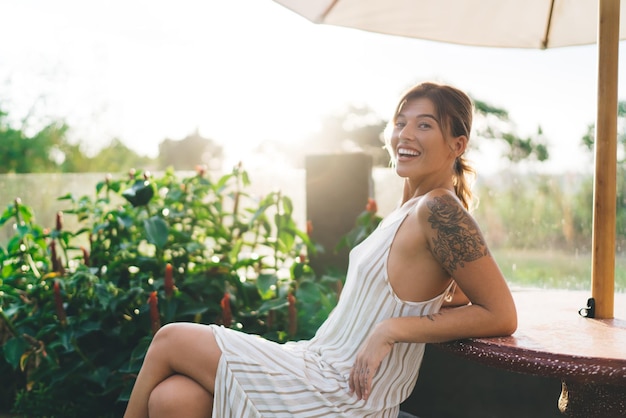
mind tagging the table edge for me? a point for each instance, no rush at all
(581, 369)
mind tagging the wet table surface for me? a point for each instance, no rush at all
(553, 340)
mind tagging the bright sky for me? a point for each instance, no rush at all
(243, 71)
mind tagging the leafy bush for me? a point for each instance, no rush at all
(366, 222)
(79, 308)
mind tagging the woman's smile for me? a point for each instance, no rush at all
(407, 154)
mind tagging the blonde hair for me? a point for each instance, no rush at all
(455, 111)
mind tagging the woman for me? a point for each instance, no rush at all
(364, 360)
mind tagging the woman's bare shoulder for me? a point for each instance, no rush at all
(438, 199)
(453, 235)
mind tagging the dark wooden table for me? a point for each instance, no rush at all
(553, 340)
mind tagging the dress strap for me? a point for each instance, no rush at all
(449, 293)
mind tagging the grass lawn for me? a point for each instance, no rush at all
(553, 269)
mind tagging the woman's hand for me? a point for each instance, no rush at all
(372, 352)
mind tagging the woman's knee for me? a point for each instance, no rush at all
(168, 332)
(179, 396)
(176, 333)
(180, 329)
(187, 349)
(162, 342)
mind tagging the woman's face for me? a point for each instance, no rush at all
(419, 147)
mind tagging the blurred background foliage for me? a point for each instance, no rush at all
(37, 145)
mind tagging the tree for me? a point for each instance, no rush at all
(190, 152)
(74, 159)
(118, 158)
(494, 123)
(37, 153)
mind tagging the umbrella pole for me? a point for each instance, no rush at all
(605, 194)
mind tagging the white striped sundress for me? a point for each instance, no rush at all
(260, 378)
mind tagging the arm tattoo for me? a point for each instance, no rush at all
(431, 316)
(457, 239)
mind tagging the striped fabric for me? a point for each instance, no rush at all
(260, 378)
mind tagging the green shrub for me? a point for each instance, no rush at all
(79, 308)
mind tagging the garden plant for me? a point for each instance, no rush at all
(78, 308)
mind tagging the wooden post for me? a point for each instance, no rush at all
(605, 194)
(337, 188)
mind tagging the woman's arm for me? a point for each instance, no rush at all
(456, 242)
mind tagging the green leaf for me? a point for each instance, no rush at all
(192, 309)
(99, 186)
(297, 270)
(264, 283)
(102, 294)
(137, 356)
(68, 196)
(115, 186)
(100, 376)
(13, 350)
(193, 247)
(308, 292)
(156, 231)
(123, 220)
(8, 213)
(245, 179)
(287, 205)
(65, 338)
(221, 183)
(26, 213)
(4, 314)
(86, 327)
(140, 193)
(175, 194)
(286, 239)
(273, 304)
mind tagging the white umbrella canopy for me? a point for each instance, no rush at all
(493, 23)
(517, 24)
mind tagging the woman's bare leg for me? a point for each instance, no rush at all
(179, 396)
(181, 348)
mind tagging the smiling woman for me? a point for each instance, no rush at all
(364, 359)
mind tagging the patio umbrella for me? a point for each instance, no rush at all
(517, 24)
